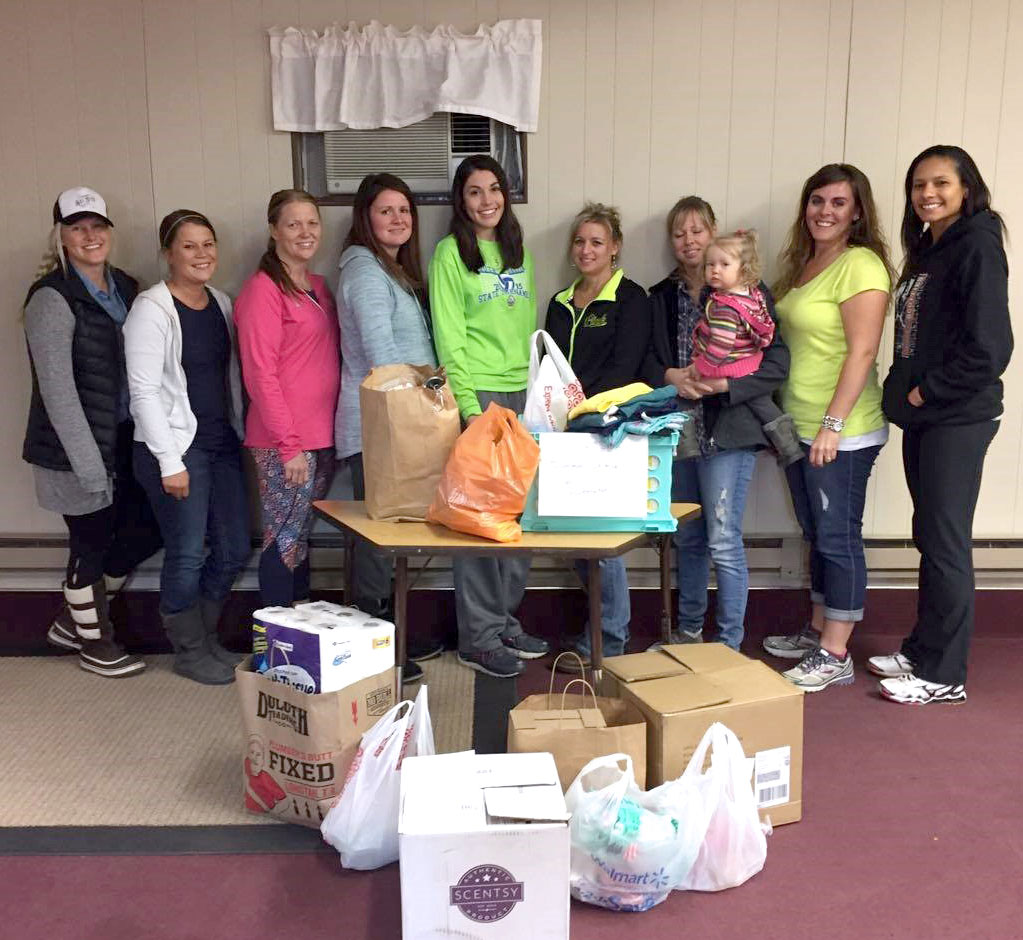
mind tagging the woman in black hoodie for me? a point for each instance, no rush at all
(953, 340)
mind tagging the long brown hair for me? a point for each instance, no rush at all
(865, 231)
(508, 233)
(271, 263)
(406, 269)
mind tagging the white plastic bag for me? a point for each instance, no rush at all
(553, 390)
(734, 848)
(363, 822)
(626, 854)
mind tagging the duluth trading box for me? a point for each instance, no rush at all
(298, 746)
(483, 848)
(683, 689)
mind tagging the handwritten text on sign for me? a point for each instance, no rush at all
(580, 476)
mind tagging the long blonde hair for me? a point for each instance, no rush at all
(54, 256)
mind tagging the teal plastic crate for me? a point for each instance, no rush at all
(657, 519)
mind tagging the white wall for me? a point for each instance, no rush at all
(161, 104)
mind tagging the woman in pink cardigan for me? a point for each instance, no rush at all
(288, 341)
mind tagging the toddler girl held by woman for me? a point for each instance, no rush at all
(730, 337)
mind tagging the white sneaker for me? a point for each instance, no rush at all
(818, 669)
(909, 690)
(890, 667)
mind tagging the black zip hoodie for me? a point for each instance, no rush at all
(953, 337)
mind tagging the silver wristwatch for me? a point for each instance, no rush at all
(832, 424)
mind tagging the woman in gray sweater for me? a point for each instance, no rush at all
(79, 435)
(380, 295)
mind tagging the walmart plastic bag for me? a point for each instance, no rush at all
(627, 854)
(363, 822)
(734, 847)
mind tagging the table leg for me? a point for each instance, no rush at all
(400, 616)
(596, 627)
(349, 542)
(666, 587)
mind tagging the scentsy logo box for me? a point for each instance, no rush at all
(487, 893)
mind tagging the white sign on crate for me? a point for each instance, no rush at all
(580, 476)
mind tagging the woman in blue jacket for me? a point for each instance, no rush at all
(380, 308)
(601, 322)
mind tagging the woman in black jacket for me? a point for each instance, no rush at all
(79, 434)
(953, 340)
(729, 433)
(601, 322)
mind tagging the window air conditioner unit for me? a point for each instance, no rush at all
(425, 155)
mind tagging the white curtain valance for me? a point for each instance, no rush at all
(379, 76)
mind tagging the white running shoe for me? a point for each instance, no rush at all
(890, 667)
(794, 645)
(910, 690)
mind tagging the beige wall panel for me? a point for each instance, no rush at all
(458, 13)
(949, 106)
(713, 133)
(1000, 507)
(488, 11)
(674, 108)
(567, 93)
(598, 127)
(633, 79)
(400, 13)
(319, 14)
(982, 110)
(361, 12)
(840, 16)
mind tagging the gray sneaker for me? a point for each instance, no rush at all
(794, 645)
(500, 663)
(677, 636)
(818, 669)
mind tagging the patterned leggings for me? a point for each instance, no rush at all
(287, 518)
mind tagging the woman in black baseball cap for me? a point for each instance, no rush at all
(79, 435)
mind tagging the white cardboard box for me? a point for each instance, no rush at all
(467, 872)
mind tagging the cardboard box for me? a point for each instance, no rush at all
(685, 688)
(298, 747)
(483, 847)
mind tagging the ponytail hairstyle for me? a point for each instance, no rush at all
(608, 216)
(509, 232)
(743, 245)
(977, 199)
(54, 256)
(406, 269)
(865, 231)
(270, 264)
(171, 222)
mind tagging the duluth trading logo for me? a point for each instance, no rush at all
(486, 893)
(282, 713)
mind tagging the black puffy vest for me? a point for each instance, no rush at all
(97, 359)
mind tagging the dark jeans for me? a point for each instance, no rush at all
(370, 589)
(215, 510)
(943, 470)
(116, 539)
(828, 502)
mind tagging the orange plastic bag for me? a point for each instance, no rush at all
(487, 477)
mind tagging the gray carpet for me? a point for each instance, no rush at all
(150, 750)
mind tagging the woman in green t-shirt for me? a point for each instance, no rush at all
(483, 304)
(831, 301)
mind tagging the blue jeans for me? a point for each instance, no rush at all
(615, 609)
(216, 508)
(828, 502)
(719, 483)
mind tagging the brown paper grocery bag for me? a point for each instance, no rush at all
(408, 430)
(579, 736)
(298, 747)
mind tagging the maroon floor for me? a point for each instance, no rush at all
(913, 828)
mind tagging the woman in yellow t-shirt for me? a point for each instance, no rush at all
(831, 301)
